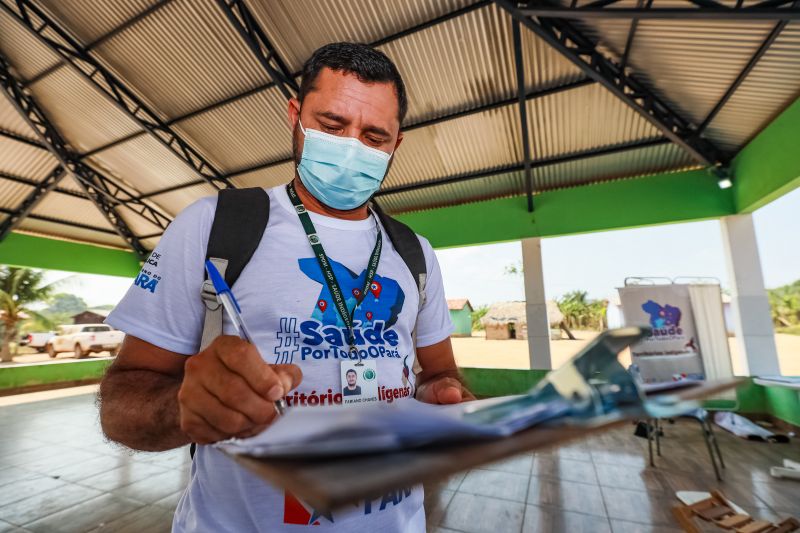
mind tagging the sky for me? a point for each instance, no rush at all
(596, 262)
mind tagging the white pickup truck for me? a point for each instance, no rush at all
(36, 340)
(83, 339)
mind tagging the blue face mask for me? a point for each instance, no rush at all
(341, 172)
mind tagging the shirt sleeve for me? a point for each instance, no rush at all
(163, 306)
(433, 323)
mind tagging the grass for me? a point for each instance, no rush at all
(790, 330)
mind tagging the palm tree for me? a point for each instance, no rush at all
(19, 288)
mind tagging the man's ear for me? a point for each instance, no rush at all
(293, 113)
(399, 140)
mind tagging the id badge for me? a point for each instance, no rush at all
(359, 381)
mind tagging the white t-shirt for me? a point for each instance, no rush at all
(288, 311)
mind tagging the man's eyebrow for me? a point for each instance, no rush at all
(378, 131)
(332, 116)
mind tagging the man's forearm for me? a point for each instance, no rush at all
(139, 408)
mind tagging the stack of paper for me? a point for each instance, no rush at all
(341, 430)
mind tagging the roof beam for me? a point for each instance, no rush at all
(523, 111)
(97, 187)
(778, 11)
(583, 52)
(246, 25)
(517, 167)
(30, 202)
(49, 33)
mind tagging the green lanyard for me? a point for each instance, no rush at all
(327, 271)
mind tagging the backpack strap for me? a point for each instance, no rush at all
(407, 244)
(239, 223)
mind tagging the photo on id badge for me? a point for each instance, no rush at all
(359, 381)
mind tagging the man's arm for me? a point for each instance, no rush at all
(440, 381)
(152, 399)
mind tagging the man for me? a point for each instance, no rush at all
(351, 389)
(346, 127)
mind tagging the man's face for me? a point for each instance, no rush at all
(342, 105)
(351, 378)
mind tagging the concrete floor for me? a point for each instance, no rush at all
(57, 474)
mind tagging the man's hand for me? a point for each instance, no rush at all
(444, 389)
(228, 391)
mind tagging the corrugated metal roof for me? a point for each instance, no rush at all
(23, 50)
(267, 177)
(688, 63)
(183, 57)
(99, 120)
(11, 120)
(146, 162)
(770, 87)
(296, 29)
(72, 209)
(469, 62)
(12, 194)
(24, 160)
(630, 163)
(176, 201)
(89, 20)
(51, 229)
(240, 135)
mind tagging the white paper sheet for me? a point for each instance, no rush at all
(341, 430)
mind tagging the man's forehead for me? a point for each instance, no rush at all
(343, 94)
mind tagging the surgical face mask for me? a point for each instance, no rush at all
(341, 172)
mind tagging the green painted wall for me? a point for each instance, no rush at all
(39, 252)
(462, 321)
(769, 166)
(30, 375)
(661, 199)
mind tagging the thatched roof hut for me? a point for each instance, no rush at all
(507, 320)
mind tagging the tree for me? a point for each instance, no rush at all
(19, 288)
(477, 314)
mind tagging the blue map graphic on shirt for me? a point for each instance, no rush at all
(383, 302)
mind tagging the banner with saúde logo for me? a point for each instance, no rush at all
(672, 349)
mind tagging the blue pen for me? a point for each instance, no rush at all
(228, 301)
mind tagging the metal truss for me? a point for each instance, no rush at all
(523, 111)
(582, 51)
(103, 192)
(519, 167)
(246, 25)
(30, 202)
(73, 53)
(694, 9)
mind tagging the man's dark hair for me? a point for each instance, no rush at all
(351, 370)
(368, 65)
